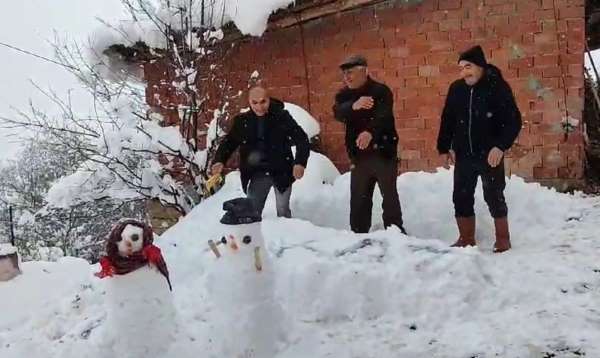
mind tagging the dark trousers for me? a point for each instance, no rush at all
(370, 169)
(258, 190)
(466, 172)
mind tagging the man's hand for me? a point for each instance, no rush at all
(449, 159)
(363, 103)
(495, 157)
(216, 168)
(298, 171)
(363, 140)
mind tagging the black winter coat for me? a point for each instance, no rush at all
(379, 119)
(477, 118)
(281, 133)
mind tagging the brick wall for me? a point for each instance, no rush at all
(412, 46)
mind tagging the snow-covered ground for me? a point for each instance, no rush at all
(401, 297)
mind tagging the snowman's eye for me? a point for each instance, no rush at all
(247, 239)
(135, 237)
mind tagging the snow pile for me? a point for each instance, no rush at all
(143, 295)
(393, 296)
(304, 119)
(7, 249)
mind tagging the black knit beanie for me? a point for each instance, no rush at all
(474, 55)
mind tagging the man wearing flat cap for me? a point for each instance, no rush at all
(480, 122)
(365, 106)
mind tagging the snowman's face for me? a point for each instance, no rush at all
(132, 240)
(241, 239)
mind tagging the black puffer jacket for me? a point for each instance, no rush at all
(281, 133)
(379, 120)
(477, 118)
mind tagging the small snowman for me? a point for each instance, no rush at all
(243, 286)
(140, 313)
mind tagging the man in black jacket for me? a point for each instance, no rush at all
(265, 136)
(366, 108)
(480, 121)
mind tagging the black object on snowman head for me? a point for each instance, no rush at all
(240, 211)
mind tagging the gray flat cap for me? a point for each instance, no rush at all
(353, 61)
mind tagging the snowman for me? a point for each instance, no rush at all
(140, 313)
(242, 284)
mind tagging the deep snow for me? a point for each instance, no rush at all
(401, 297)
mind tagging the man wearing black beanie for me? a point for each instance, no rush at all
(480, 121)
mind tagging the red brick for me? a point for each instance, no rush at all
(409, 112)
(429, 71)
(450, 24)
(401, 51)
(521, 63)
(572, 12)
(449, 4)
(571, 59)
(427, 27)
(460, 35)
(570, 172)
(412, 144)
(410, 154)
(418, 123)
(546, 60)
(545, 14)
(576, 71)
(545, 173)
(530, 27)
(503, 9)
(552, 72)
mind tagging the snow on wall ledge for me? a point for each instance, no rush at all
(251, 17)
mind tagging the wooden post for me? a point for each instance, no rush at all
(257, 260)
(12, 226)
(214, 248)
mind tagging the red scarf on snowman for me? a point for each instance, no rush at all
(115, 264)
